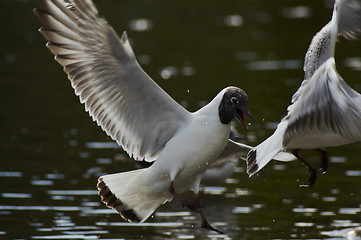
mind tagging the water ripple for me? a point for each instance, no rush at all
(214, 190)
(345, 223)
(99, 211)
(65, 237)
(11, 174)
(329, 199)
(73, 192)
(146, 224)
(172, 214)
(304, 224)
(16, 195)
(349, 210)
(98, 145)
(349, 233)
(304, 210)
(242, 210)
(42, 182)
(43, 208)
(274, 65)
(354, 173)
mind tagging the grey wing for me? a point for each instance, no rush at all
(349, 18)
(321, 48)
(346, 21)
(129, 106)
(328, 104)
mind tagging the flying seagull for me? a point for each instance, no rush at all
(139, 115)
(325, 111)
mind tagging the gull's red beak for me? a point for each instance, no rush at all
(239, 114)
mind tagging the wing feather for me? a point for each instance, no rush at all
(349, 18)
(327, 105)
(128, 105)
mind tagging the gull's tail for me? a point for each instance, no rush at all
(129, 194)
(269, 149)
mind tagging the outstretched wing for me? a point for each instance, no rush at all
(129, 106)
(346, 21)
(349, 18)
(327, 106)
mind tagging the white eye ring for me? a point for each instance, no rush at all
(234, 100)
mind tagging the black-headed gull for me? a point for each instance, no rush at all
(325, 111)
(134, 111)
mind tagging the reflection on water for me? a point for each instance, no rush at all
(354, 63)
(274, 65)
(234, 208)
(348, 233)
(52, 154)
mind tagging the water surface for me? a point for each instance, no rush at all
(52, 153)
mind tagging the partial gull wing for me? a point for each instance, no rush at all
(322, 47)
(327, 105)
(346, 22)
(327, 113)
(349, 18)
(129, 106)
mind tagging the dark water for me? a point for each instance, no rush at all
(52, 153)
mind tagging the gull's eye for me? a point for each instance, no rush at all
(234, 100)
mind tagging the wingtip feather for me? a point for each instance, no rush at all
(124, 37)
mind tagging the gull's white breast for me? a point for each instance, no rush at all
(189, 153)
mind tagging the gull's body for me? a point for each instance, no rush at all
(134, 111)
(184, 166)
(190, 166)
(325, 111)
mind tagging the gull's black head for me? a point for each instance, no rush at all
(234, 104)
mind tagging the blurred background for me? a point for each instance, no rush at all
(52, 153)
